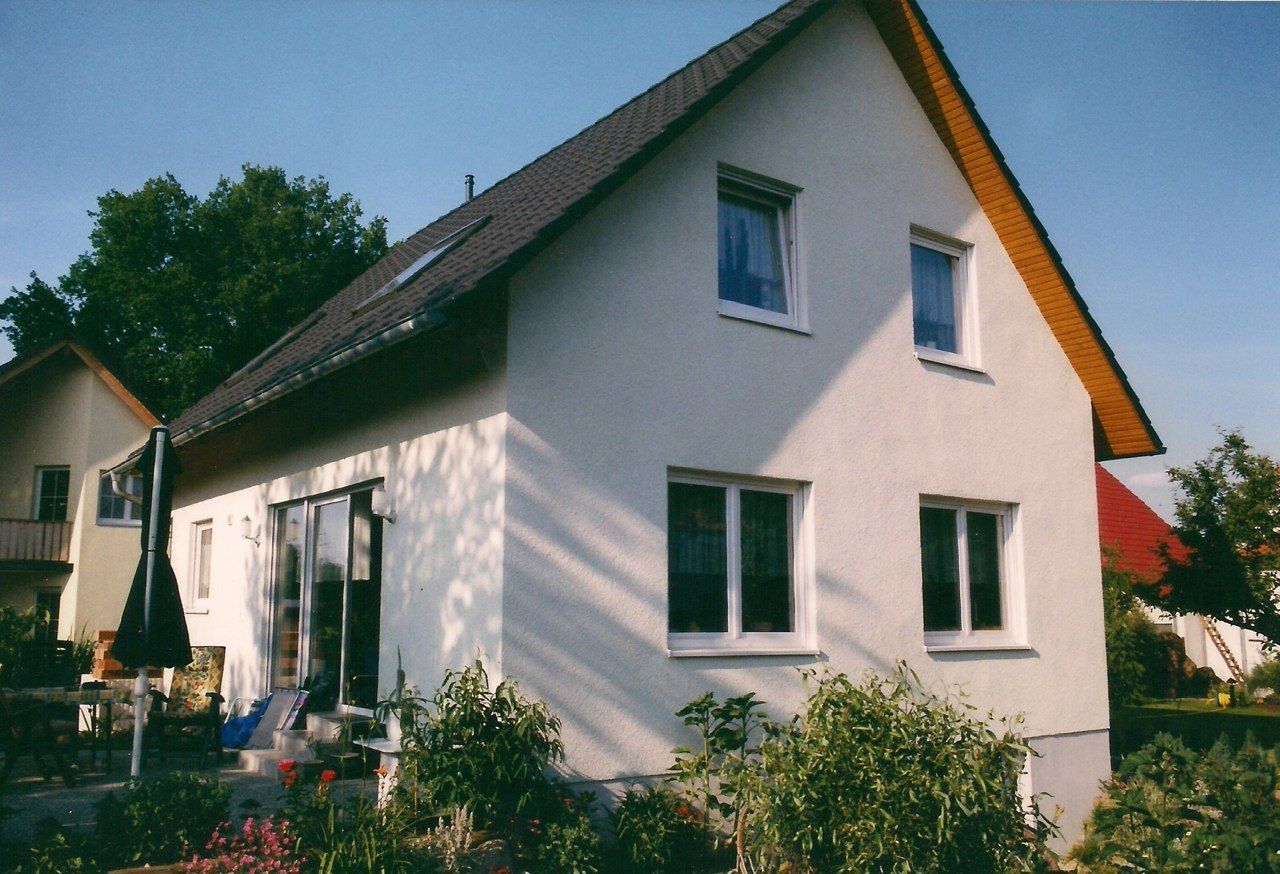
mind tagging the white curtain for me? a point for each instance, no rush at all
(933, 293)
(751, 254)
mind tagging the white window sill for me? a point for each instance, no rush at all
(730, 310)
(741, 651)
(949, 359)
(120, 523)
(978, 646)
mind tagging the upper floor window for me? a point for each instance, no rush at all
(737, 573)
(53, 485)
(115, 510)
(756, 242)
(941, 299)
(967, 564)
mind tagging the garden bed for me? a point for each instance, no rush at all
(1197, 722)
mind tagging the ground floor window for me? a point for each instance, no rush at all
(738, 577)
(327, 595)
(967, 569)
(48, 609)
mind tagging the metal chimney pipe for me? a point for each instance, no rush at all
(471, 187)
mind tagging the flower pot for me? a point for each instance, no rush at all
(393, 727)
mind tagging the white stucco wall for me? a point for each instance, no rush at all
(442, 463)
(619, 368)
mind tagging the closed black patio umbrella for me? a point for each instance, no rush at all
(153, 627)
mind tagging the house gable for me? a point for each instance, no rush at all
(620, 371)
(534, 206)
(13, 370)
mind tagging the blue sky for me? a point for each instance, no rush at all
(1146, 136)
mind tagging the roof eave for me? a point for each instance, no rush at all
(1123, 433)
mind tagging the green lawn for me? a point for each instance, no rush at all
(1195, 720)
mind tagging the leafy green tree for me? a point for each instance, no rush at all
(178, 292)
(1136, 654)
(1228, 518)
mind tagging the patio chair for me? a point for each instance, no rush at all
(41, 728)
(193, 706)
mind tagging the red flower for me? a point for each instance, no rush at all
(289, 778)
(683, 811)
(286, 765)
(328, 775)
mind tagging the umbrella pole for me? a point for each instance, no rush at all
(140, 685)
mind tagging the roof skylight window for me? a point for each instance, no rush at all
(431, 256)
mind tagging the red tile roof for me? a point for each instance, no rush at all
(1130, 527)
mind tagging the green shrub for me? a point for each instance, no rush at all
(885, 776)
(161, 819)
(57, 851)
(1136, 653)
(483, 748)
(570, 846)
(1171, 809)
(348, 834)
(656, 831)
(1265, 679)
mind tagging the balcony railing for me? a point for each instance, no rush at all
(26, 542)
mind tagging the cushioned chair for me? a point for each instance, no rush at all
(193, 706)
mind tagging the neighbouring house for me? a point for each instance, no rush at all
(68, 542)
(1135, 533)
(772, 368)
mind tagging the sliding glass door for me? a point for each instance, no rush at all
(328, 596)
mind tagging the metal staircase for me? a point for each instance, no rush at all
(1211, 629)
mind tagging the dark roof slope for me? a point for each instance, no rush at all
(534, 205)
(527, 209)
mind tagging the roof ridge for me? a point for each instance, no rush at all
(529, 225)
(616, 110)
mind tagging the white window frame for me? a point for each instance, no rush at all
(37, 490)
(783, 198)
(198, 604)
(1012, 634)
(964, 301)
(130, 507)
(800, 641)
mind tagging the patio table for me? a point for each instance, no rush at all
(32, 701)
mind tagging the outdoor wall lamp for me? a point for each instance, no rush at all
(247, 532)
(380, 504)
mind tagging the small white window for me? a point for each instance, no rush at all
(739, 575)
(942, 300)
(115, 510)
(201, 563)
(756, 250)
(53, 487)
(968, 574)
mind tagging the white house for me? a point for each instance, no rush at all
(68, 543)
(771, 368)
